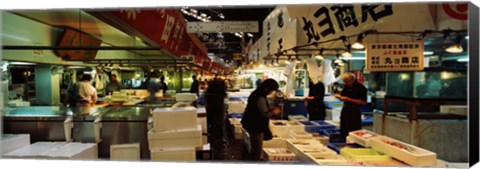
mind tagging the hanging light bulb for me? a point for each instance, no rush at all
(358, 45)
(347, 54)
(455, 48)
(319, 57)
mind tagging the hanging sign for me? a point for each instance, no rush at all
(237, 56)
(395, 56)
(223, 26)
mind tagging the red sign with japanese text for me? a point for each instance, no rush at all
(73, 38)
(166, 27)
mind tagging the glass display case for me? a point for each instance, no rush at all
(427, 84)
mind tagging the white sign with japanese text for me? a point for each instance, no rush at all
(223, 26)
(395, 56)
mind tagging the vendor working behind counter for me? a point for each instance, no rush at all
(81, 93)
(354, 95)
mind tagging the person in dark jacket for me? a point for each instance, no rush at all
(314, 101)
(354, 96)
(216, 112)
(257, 116)
(195, 85)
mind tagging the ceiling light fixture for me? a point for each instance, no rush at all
(456, 47)
(463, 60)
(428, 53)
(250, 35)
(221, 15)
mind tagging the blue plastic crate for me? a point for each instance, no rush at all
(324, 125)
(310, 127)
(334, 135)
(235, 115)
(367, 121)
(337, 146)
(294, 108)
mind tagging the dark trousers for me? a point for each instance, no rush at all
(256, 142)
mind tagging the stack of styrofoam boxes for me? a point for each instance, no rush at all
(11, 142)
(236, 107)
(313, 151)
(56, 150)
(175, 134)
(203, 122)
(236, 128)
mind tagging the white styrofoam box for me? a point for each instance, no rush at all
(292, 145)
(202, 121)
(165, 119)
(185, 97)
(236, 107)
(181, 154)
(204, 140)
(201, 110)
(75, 151)
(282, 128)
(36, 150)
(125, 152)
(409, 154)
(313, 157)
(334, 162)
(235, 121)
(361, 136)
(302, 151)
(323, 139)
(12, 142)
(297, 118)
(454, 109)
(175, 138)
(275, 143)
(300, 135)
(279, 155)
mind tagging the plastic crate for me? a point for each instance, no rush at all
(279, 155)
(323, 125)
(235, 115)
(334, 135)
(310, 127)
(338, 146)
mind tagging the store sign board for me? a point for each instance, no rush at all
(237, 56)
(395, 56)
(223, 26)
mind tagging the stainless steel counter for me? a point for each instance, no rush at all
(119, 125)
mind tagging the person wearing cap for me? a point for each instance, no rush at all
(257, 115)
(81, 94)
(354, 96)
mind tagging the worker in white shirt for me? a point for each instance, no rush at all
(81, 94)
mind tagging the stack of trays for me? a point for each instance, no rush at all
(56, 150)
(11, 142)
(409, 154)
(282, 128)
(174, 140)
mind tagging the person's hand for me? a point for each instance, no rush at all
(343, 98)
(337, 95)
(276, 110)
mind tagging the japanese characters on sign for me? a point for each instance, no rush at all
(166, 27)
(341, 16)
(397, 56)
(223, 26)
